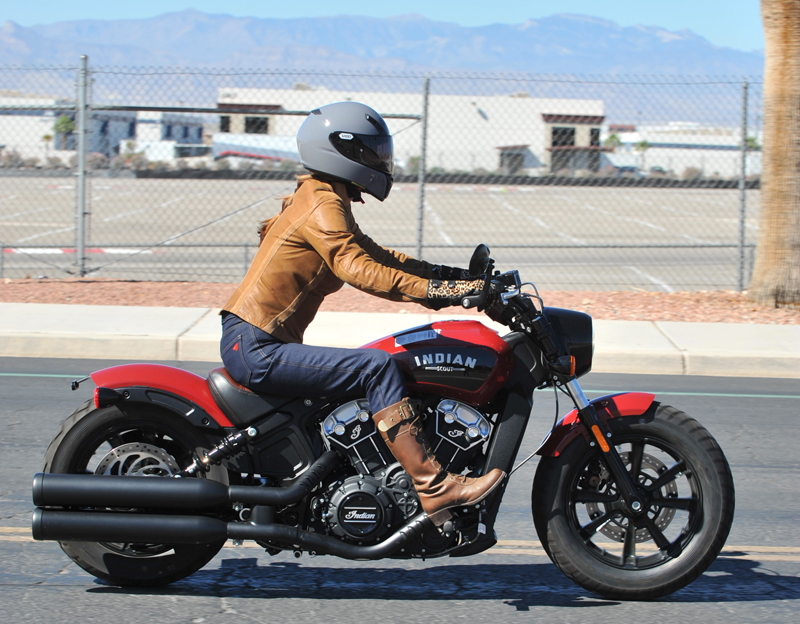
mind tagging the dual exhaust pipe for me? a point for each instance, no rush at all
(69, 490)
(79, 526)
(108, 493)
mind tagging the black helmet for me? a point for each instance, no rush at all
(350, 142)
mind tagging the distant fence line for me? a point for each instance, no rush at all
(630, 138)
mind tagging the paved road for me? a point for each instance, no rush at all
(757, 579)
(574, 229)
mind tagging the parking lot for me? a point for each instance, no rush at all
(569, 238)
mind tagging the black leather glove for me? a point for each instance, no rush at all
(442, 294)
(447, 273)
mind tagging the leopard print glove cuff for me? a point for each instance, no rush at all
(442, 294)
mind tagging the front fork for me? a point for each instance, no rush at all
(602, 434)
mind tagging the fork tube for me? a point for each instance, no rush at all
(601, 433)
(576, 394)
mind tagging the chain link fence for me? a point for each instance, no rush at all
(595, 183)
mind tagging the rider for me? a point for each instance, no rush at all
(309, 250)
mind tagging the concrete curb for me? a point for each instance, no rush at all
(192, 334)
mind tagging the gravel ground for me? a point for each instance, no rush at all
(708, 306)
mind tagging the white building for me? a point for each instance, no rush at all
(166, 137)
(31, 133)
(683, 148)
(513, 134)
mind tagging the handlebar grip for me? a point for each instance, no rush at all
(473, 301)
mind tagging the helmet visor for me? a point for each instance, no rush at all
(375, 152)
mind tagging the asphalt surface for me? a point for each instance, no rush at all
(756, 579)
(605, 238)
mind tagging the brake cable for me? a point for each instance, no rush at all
(555, 422)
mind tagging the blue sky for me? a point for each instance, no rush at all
(729, 23)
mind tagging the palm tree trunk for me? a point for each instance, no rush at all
(776, 275)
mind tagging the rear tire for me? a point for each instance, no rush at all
(145, 443)
(598, 542)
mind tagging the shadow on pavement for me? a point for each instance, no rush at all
(519, 586)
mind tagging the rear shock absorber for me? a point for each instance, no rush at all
(227, 448)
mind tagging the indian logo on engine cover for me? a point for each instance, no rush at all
(360, 514)
(355, 515)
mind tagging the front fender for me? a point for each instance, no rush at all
(173, 388)
(609, 406)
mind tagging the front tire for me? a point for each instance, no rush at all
(598, 542)
(136, 443)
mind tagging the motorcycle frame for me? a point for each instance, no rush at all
(187, 395)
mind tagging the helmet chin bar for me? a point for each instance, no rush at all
(354, 192)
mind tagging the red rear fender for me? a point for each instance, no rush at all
(610, 406)
(191, 387)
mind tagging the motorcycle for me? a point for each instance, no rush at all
(632, 499)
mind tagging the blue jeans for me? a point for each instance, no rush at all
(265, 364)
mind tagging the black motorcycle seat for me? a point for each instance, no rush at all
(238, 402)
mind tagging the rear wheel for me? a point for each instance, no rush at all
(600, 543)
(137, 443)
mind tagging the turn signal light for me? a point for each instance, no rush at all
(564, 365)
(103, 397)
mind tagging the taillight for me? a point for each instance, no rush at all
(103, 397)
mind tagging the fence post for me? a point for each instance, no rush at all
(742, 188)
(80, 209)
(421, 174)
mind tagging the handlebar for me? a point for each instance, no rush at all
(480, 300)
(474, 301)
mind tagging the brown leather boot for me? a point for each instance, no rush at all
(438, 490)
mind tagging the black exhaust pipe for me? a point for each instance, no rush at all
(89, 526)
(71, 490)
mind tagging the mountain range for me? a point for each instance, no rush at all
(560, 44)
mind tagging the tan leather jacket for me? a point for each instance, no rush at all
(309, 251)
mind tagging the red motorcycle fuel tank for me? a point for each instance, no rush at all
(462, 360)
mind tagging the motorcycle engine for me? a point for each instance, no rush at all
(381, 497)
(365, 508)
(459, 431)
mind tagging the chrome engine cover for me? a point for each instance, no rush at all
(460, 430)
(350, 429)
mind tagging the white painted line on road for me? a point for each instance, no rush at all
(35, 250)
(628, 219)
(122, 215)
(539, 222)
(28, 238)
(679, 211)
(437, 221)
(171, 201)
(651, 279)
(697, 240)
(24, 212)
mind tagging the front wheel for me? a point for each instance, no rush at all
(138, 443)
(604, 546)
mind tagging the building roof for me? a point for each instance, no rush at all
(594, 120)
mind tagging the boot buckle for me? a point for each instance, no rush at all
(403, 413)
